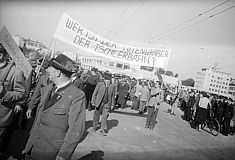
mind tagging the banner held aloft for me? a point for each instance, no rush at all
(73, 33)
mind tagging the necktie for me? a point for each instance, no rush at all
(53, 91)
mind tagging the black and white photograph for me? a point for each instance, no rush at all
(117, 79)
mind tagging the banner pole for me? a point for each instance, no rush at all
(53, 47)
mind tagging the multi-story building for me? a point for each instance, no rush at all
(88, 62)
(213, 80)
(232, 88)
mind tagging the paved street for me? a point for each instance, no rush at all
(172, 138)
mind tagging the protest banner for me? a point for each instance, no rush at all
(170, 80)
(71, 32)
(14, 51)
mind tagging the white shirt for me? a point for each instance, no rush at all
(203, 103)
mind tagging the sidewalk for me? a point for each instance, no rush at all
(172, 138)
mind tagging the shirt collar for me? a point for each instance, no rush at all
(62, 85)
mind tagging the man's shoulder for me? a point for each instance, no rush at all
(73, 90)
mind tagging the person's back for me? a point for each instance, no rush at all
(144, 93)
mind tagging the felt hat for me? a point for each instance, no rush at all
(107, 75)
(63, 63)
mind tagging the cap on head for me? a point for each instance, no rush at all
(94, 69)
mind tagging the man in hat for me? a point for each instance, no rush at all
(60, 122)
(12, 94)
(123, 90)
(103, 99)
(91, 83)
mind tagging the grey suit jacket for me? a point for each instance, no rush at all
(98, 94)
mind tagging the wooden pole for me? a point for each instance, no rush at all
(53, 47)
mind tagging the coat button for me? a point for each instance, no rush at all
(41, 124)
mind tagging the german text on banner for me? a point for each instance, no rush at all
(71, 32)
(14, 51)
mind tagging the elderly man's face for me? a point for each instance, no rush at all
(53, 73)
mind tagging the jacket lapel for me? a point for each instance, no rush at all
(47, 93)
(56, 97)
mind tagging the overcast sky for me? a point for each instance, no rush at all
(195, 40)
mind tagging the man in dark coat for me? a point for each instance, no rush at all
(123, 91)
(12, 94)
(90, 85)
(61, 117)
(189, 106)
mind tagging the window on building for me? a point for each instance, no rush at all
(213, 85)
(212, 76)
(215, 90)
(211, 80)
(111, 64)
(212, 90)
(126, 67)
(210, 84)
(118, 65)
(209, 89)
(216, 86)
(225, 87)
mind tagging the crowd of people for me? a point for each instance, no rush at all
(197, 106)
(58, 92)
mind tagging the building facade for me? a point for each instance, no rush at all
(88, 62)
(232, 88)
(213, 80)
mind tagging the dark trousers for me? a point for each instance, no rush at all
(6, 133)
(226, 126)
(2, 134)
(183, 105)
(187, 113)
(23, 118)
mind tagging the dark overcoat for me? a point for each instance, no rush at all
(13, 93)
(123, 90)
